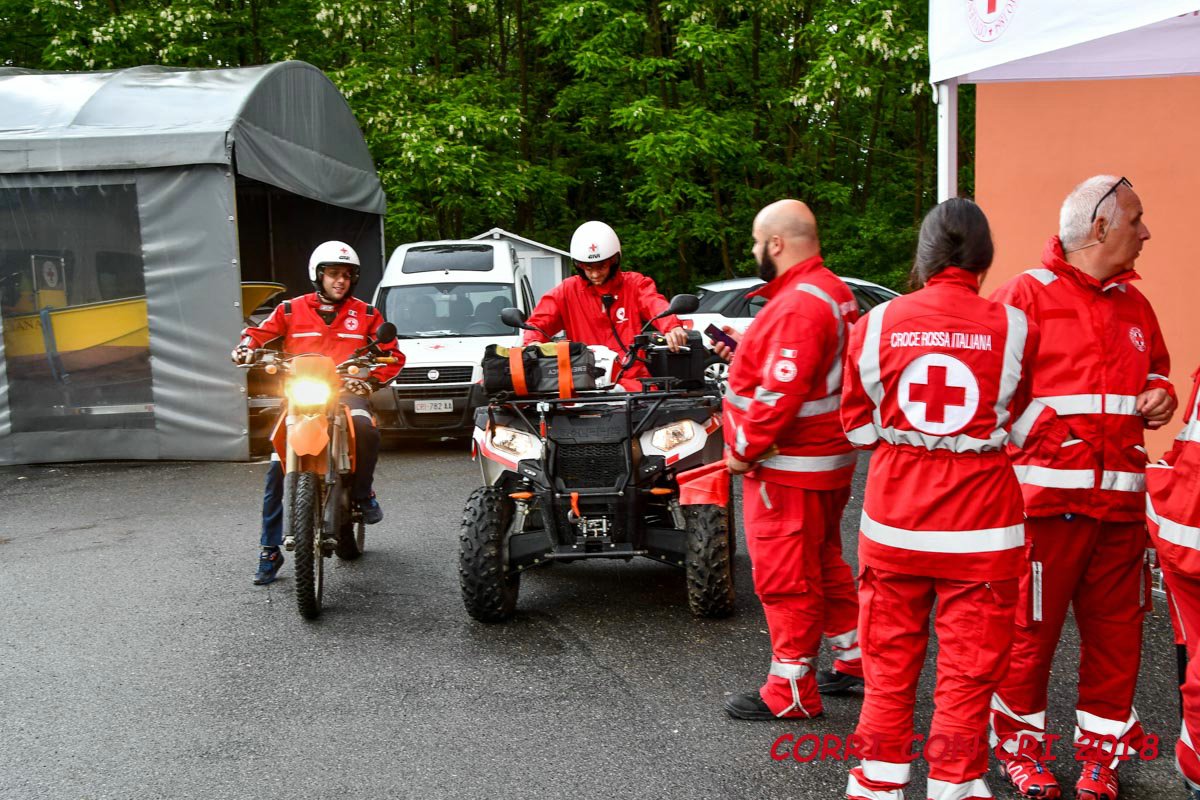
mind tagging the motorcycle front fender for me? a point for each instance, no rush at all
(308, 434)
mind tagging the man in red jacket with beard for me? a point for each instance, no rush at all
(784, 434)
(603, 304)
(1103, 367)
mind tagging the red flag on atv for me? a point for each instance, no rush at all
(706, 485)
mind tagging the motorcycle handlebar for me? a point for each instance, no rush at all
(264, 358)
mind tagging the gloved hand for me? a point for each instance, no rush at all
(358, 387)
(242, 355)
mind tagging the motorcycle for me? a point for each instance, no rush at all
(314, 438)
(594, 475)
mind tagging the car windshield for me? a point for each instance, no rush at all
(712, 302)
(439, 310)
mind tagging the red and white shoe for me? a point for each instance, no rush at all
(1096, 782)
(1031, 777)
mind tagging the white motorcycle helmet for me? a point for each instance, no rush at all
(595, 241)
(332, 253)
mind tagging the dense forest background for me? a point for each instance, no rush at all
(673, 120)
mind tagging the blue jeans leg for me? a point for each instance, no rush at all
(272, 513)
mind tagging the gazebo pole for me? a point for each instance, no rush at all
(946, 96)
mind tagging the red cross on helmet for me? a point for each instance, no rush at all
(595, 242)
(332, 253)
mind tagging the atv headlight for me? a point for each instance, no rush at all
(308, 392)
(668, 437)
(514, 442)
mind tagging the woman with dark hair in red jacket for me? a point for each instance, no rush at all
(935, 381)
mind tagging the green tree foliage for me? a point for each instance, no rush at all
(674, 120)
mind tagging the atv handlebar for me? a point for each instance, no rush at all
(645, 343)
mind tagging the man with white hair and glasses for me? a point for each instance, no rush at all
(1103, 367)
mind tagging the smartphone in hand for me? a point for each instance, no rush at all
(717, 335)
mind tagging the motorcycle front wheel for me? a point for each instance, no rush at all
(302, 521)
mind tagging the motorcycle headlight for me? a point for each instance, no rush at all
(668, 437)
(514, 442)
(308, 392)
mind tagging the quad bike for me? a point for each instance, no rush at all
(315, 442)
(593, 475)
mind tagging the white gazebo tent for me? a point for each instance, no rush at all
(982, 41)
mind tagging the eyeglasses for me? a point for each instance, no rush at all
(1123, 182)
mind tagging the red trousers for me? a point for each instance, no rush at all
(806, 588)
(1184, 593)
(1100, 569)
(974, 626)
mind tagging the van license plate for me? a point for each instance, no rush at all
(433, 406)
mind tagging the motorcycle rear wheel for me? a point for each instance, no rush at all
(351, 533)
(302, 520)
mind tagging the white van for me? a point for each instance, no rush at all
(445, 299)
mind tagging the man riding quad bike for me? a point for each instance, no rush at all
(576, 468)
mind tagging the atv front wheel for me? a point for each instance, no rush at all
(709, 563)
(489, 587)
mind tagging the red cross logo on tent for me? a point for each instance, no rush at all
(988, 19)
(938, 394)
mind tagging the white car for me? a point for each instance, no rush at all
(725, 303)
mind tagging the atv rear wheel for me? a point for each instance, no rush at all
(709, 562)
(489, 587)
(302, 520)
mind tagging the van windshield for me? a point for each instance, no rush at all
(438, 310)
(438, 257)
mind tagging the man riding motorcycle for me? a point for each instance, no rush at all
(603, 304)
(328, 322)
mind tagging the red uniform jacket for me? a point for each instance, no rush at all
(785, 383)
(1101, 347)
(938, 381)
(1173, 496)
(575, 306)
(305, 332)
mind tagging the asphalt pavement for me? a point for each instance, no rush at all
(137, 660)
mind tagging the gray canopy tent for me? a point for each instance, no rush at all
(133, 204)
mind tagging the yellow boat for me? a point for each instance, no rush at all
(94, 334)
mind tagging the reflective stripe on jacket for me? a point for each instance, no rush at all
(1101, 348)
(937, 381)
(304, 331)
(1173, 496)
(784, 384)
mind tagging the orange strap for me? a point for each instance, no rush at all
(565, 383)
(516, 366)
